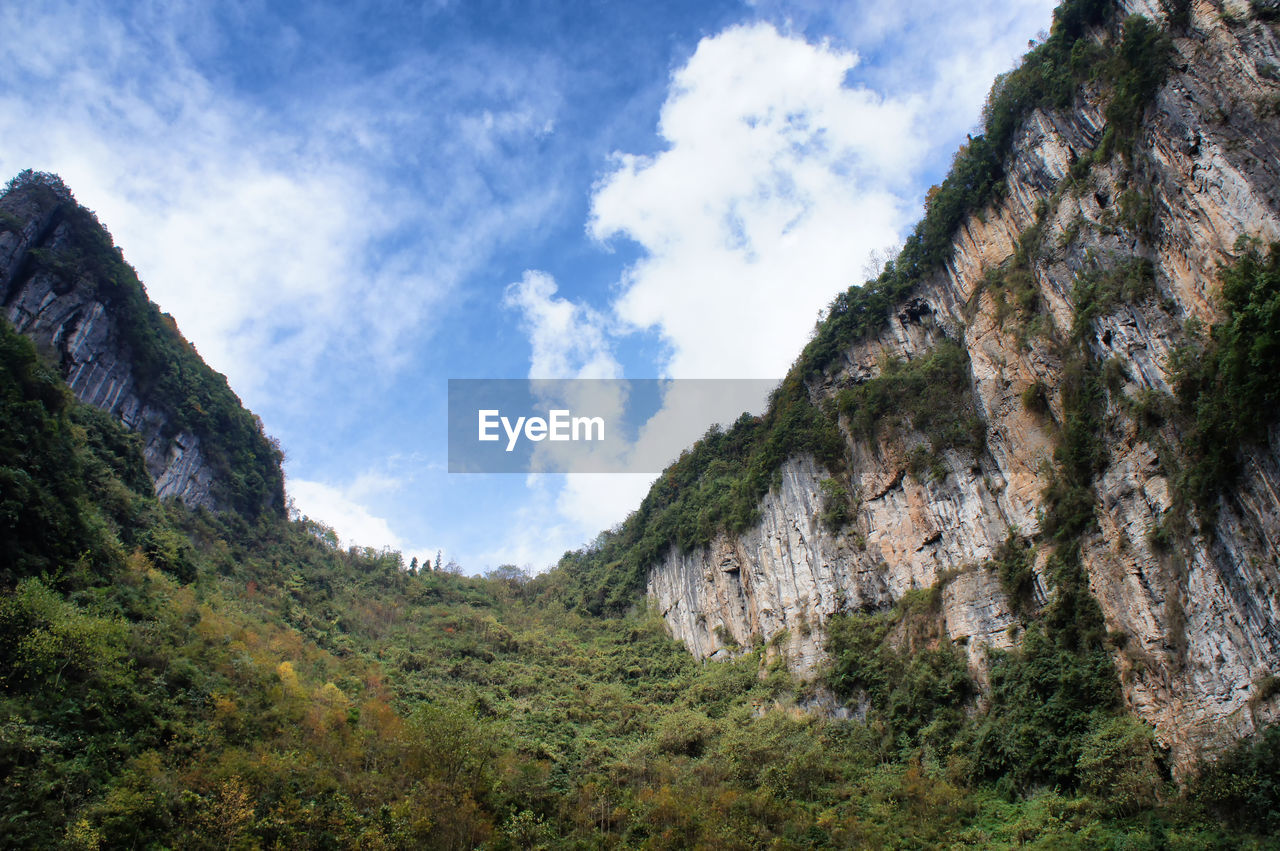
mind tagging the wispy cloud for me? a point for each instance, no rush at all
(945, 54)
(285, 241)
(569, 340)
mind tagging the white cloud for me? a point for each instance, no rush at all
(284, 241)
(777, 181)
(596, 502)
(340, 509)
(346, 509)
(780, 182)
(569, 340)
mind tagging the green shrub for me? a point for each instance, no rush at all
(1243, 785)
(67, 475)
(1047, 701)
(1095, 294)
(684, 732)
(1136, 70)
(1035, 398)
(1012, 564)
(1117, 765)
(836, 512)
(917, 691)
(932, 395)
(1226, 388)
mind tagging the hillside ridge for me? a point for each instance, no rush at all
(65, 285)
(996, 569)
(1077, 272)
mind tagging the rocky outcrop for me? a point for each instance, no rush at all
(72, 322)
(1201, 623)
(787, 575)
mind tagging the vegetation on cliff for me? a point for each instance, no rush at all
(1225, 380)
(168, 371)
(719, 482)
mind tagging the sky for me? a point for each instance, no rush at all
(345, 205)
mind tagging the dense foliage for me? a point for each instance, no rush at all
(1226, 384)
(175, 678)
(71, 481)
(280, 691)
(168, 371)
(1245, 783)
(42, 488)
(916, 681)
(931, 395)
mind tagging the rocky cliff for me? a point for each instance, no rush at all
(1196, 614)
(64, 285)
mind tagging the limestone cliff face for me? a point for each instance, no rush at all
(1202, 624)
(71, 320)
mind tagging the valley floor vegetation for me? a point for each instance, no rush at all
(171, 678)
(179, 678)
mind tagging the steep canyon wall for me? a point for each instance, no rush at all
(1201, 619)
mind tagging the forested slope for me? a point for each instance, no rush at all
(194, 669)
(173, 677)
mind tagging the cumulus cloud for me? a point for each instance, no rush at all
(776, 183)
(782, 177)
(777, 180)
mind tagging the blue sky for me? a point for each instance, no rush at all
(345, 205)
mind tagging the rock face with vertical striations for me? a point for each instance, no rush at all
(1200, 620)
(64, 285)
